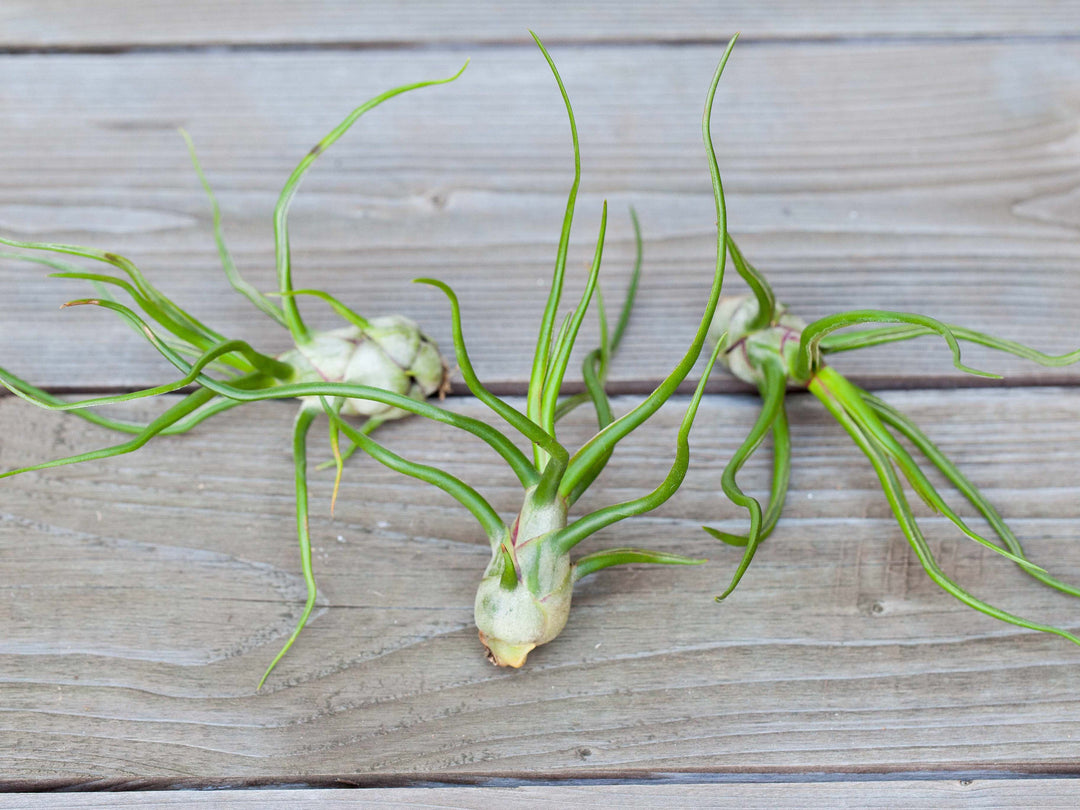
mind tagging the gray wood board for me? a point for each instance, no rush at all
(26, 24)
(142, 596)
(940, 179)
(914, 794)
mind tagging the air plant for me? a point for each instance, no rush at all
(524, 596)
(379, 368)
(525, 593)
(763, 344)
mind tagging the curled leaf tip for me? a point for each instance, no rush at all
(727, 537)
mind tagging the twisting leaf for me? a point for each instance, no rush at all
(772, 390)
(468, 497)
(537, 381)
(848, 395)
(281, 210)
(600, 446)
(300, 431)
(237, 281)
(863, 338)
(598, 560)
(573, 534)
(349, 315)
(898, 503)
(809, 350)
(912, 433)
(561, 359)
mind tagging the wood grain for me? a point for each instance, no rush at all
(142, 596)
(27, 24)
(918, 156)
(940, 179)
(915, 794)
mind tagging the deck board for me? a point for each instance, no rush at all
(915, 793)
(933, 178)
(27, 24)
(146, 593)
(920, 156)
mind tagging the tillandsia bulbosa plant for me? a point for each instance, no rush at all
(763, 344)
(377, 368)
(525, 593)
(524, 596)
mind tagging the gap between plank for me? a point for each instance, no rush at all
(272, 46)
(645, 387)
(582, 779)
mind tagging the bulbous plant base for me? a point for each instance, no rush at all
(743, 350)
(502, 654)
(389, 352)
(515, 620)
(524, 597)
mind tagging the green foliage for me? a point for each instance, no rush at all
(531, 553)
(867, 419)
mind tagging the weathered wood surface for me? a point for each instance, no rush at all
(29, 24)
(914, 795)
(936, 178)
(143, 596)
(912, 156)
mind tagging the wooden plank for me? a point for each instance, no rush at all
(143, 596)
(915, 794)
(937, 179)
(116, 24)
